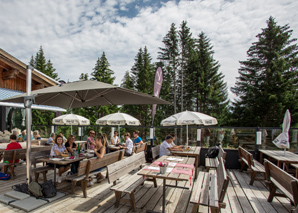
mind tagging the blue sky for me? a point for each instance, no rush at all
(74, 33)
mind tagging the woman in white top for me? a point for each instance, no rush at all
(128, 145)
(57, 149)
(115, 138)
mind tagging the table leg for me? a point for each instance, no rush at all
(279, 164)
(261, 157)
(164, 196)
(54, 173)
(196, 165)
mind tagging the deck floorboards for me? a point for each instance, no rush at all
(240, 197)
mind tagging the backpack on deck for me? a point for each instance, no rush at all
(49, 189)
(35, 189)
(212, 152)
(23, 187)
(4, 176)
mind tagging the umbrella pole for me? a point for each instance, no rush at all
(187, 134)
(27, 104)
(119, 133)
(284, 155)
(71, 129)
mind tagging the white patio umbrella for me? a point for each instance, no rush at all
(282, 140)
(189, 118)
(71, 119)
(118, 119)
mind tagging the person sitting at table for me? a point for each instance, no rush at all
(36, 136)
(90, 140)
(128, 145)
(11, 146)
(51, 139)
(99, 152)
(64, 138)
(22, 136)
(105, 141)
(115, 139)
(166, 147)
(26, 135)
(138, 139)
(57, 149)
(71, 146)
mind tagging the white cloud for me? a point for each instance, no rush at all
(75, 33)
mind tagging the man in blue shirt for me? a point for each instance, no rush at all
(138, 139)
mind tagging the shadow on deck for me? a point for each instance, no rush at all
(240, 197)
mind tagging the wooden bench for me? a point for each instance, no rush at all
(254, 166)
(155, 152)
(140, 148)
(277, 178)
(41, 169)
(86, 169)
(129, 184)
(12, 155)
(296, 169)
(212, 163)
(210, 188)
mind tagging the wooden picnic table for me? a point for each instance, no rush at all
(113, 148)
(60, 162)
(279, 156)
(153, 171)
(194, 151)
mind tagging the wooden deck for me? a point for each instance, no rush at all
(240, 197)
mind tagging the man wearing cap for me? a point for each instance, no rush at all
(166, 147)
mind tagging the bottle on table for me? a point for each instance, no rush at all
(79, 149)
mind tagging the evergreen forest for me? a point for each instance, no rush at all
(192, 79)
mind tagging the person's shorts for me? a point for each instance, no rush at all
(98, 170)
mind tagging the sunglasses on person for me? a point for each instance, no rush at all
(92, 132)
(126, 135)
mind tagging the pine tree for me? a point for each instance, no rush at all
(40, 61)
(169, 55)
(267, 82)
(102, 72)
(32, 62)
(186, 43)
(41, 64)
(83, 76)
(50, 70)
(205, 85)
(141, 79)
(127, 81)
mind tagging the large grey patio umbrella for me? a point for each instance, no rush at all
(87, 93)
(75, 95)
(189, 118)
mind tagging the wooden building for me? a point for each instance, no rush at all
(13, 82)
